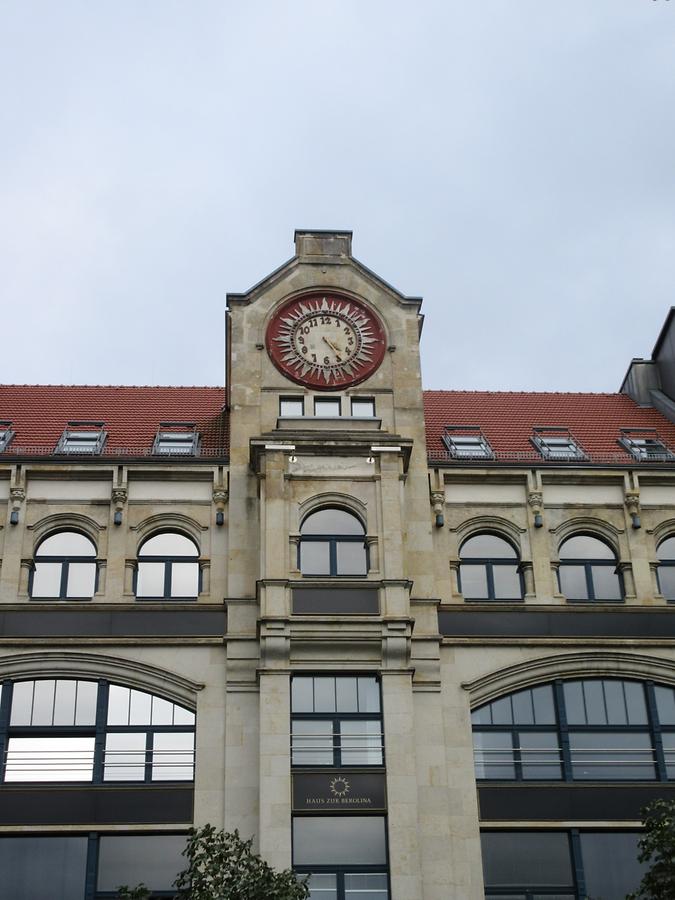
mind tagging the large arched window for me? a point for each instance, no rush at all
(64, 568)
(588, 570)
(489, 569)
(332, 542)
(666, 570)
(579, 730)
(168, 568)
(61, 730)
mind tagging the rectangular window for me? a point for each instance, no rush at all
(527, 859)
(557, 444)
(363, 408)
(612, 756)
(339, 841)
(325, 407)
(6, 435)
(50, 759)
(82, 438)
(610, 861)
(43, 868)
(467, 442)
(176, 439)
(291, 406)
(153, 859)
(645, 445)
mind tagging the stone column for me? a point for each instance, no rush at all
(275, 768)
(11, 572)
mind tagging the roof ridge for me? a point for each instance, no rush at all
(526, 393)
(162, 387)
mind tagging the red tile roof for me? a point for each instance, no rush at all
(131, 415)
(507, 419)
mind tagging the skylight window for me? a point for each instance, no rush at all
(645, 445)
(176, 439)
(467, 442)
(557, 444)
(85, 438)
(6, 435)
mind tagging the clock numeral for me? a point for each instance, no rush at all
(305, 349)
(313, 357)
(325, 320)
(326, 361)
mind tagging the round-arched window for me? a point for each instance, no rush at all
(332, 542)
(666, 570)
(489, 569)
(64, 568)
(168, 568)
(588, 570)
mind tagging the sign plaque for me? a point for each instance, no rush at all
(339, 790)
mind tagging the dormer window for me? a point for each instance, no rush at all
(467, 442)
(645, 445)
(6, 435)
(557, 444)
(86, 438)
(176, 439)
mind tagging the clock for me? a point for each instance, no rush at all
(325, 340)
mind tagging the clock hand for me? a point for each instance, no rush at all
(330, 344)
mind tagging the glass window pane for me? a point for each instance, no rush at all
(615, 703)
(523, 711)
(363, 408)
(668, 739)
(81, 579)
(50, 759)
(43, 703)
(169, 544)
(487, 546)
(154, 860)
(124, 756)
(302, 694)
(507, 583)
(327, 408)
(365, 886)
(321, 887)
(46, 579)
(324, 695)
(636, 703)
(473, 580)
(531, 858)
(544, 708)
(573, 582)
(150, 579)
(482, 716)
(574, 703)
(606, 583)
(611, 881)
(184, 579)
(666, 575)
(615, 755)
(665, 704)
(332, 521)
(594, 699)
(351, 558)
(162, 711)
(347, 700)
(493, 755)
(66, 543)
(173, 756)
(361, 743)
(369, 694)
(42, 868)
(540, 754)
(140, 708)
(182, 716)
(312, 743)
(22, 703)
(502, 711)
(666, 549)
(118, 705)
(583, 546)
(315, 557)
(339, 840)
(64, 702)
(291, 407)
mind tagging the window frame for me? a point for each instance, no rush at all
(326, 400)
(489, 562)
(170, 431)
(333, 540)
(298, 398)
(356, 401)
(540, 440)
(588, 563)
(84, 427)
(636, 440)
(665, 564)
(167, 561)
(6, 434)
(470, 432)
(64, 561)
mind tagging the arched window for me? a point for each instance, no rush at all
(332, 542)
(168, 568)
(489, 569)
(77, 730)
(666, 570)
(580, 730)
(588, 570)
(64, 568)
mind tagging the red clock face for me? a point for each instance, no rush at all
(325, 340)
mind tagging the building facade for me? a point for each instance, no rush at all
(418, 644)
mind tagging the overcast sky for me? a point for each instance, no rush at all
(512, 161)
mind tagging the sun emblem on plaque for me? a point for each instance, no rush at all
(339, 787)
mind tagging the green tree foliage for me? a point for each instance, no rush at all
(222, 866)
(657, 848)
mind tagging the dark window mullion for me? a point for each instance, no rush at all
(167, 578)
(590, 587)
(99, 740)
(563, 730)
(517, 759)
(332, 565)
(63, 588)
(5, 710)
(92, 867)
(149, 751)
(337, 743)
(490, 581)
(655, 727)
(577, 862)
